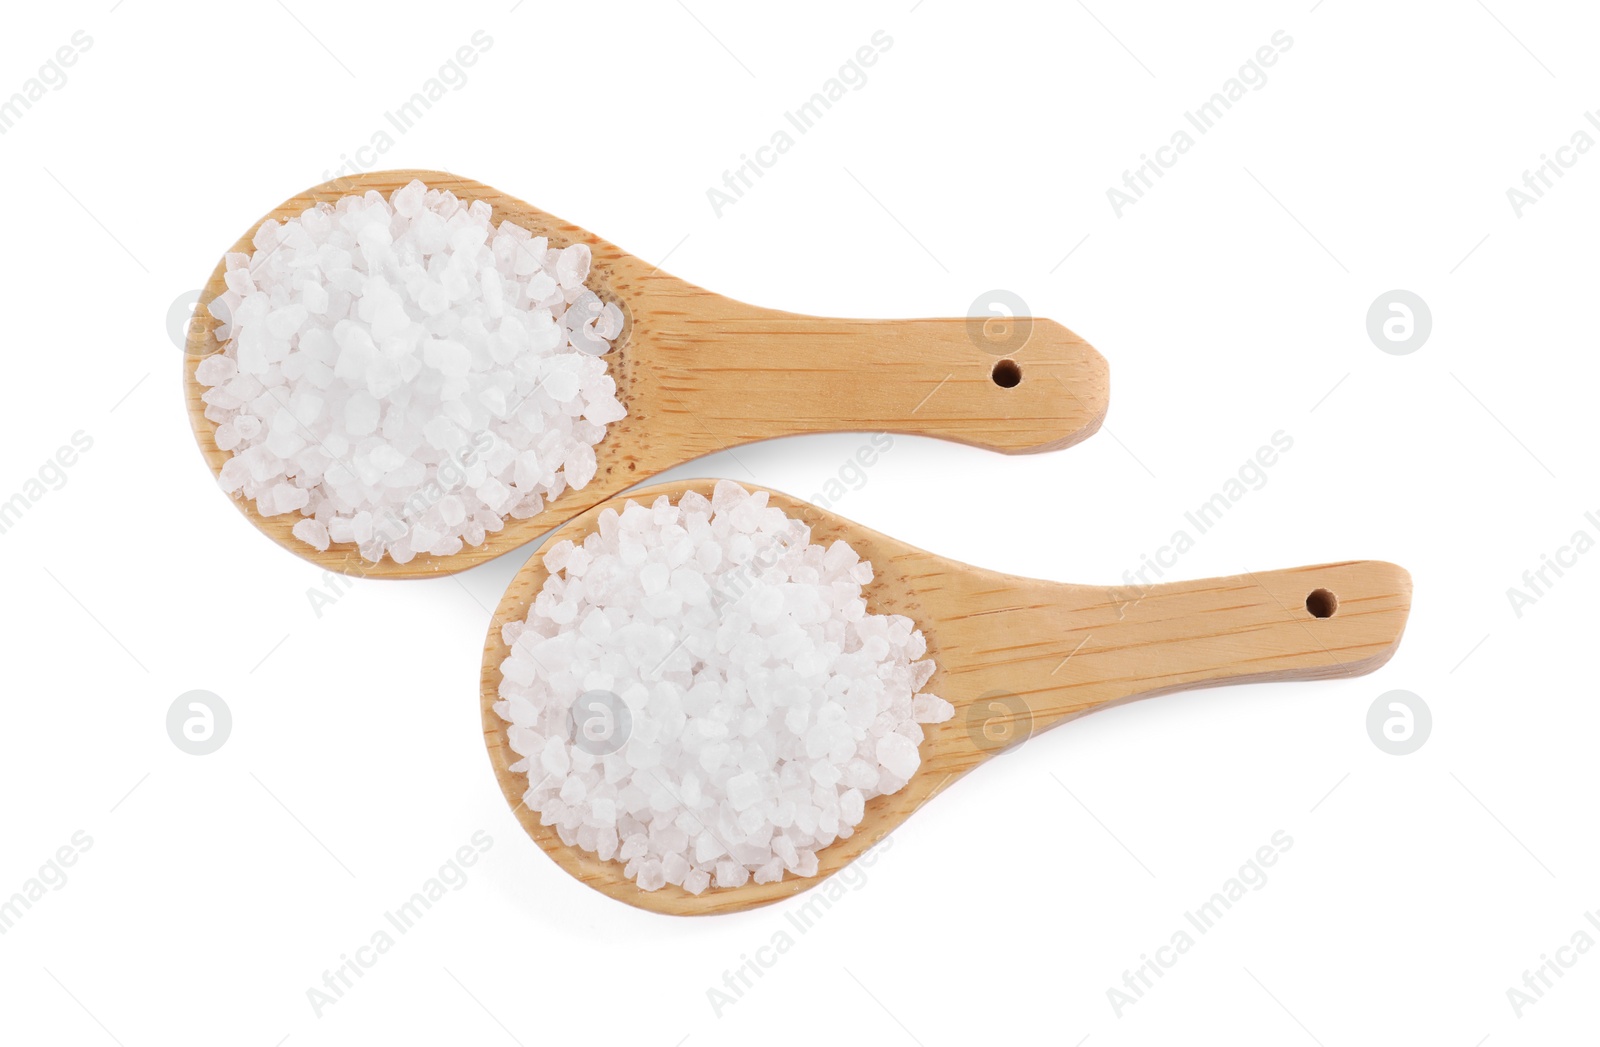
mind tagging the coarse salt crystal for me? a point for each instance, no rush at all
(407, 367)
(707, 686)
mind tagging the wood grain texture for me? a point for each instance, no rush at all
(701, 373)
(1015, 656)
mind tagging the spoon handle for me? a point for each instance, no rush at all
(1070, 649)
(1327, 621)
(731, 373)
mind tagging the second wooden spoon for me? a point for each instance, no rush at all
(1015, 656)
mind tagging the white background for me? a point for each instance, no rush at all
(1231, 303)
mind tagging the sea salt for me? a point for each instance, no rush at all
(407, 364)
(700, 693)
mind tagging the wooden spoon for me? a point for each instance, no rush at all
(1015, 656)
(701, 373)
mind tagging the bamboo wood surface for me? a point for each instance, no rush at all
(700, 373)
(1015, 656)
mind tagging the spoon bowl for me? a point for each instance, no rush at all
(701, 373)
(1015, 656)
